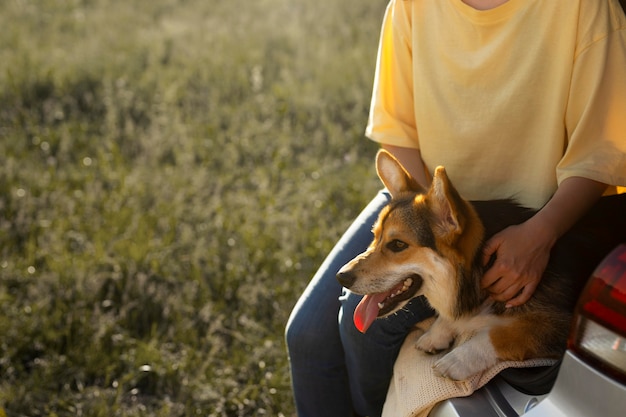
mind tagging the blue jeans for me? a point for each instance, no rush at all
(337, 371)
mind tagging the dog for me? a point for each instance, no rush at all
(429, 242)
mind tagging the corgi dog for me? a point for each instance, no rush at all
(429, 242)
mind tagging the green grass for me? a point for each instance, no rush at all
(171, 174)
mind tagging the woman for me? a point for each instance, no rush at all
(521, 99)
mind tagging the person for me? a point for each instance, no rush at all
(522, 99)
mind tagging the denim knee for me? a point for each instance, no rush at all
(310, 337)
(300, 339)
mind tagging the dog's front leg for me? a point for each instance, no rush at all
(437, 338)
(474, 356)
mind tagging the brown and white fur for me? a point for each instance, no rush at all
(429, 242)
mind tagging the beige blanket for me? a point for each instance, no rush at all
(415, 389)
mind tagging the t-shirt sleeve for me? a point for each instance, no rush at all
(596, 112)
(392, 117)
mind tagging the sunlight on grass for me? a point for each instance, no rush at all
(171, 174)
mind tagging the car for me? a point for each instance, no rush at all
(590, 380)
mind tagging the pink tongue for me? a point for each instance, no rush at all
(367, 311)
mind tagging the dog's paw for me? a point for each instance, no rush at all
(465, 361)
(434, 342)
(454, 367)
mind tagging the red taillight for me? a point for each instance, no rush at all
(599, 332)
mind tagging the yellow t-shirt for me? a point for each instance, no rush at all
(511, 100)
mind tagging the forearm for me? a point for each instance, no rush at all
(570, 202)
(411, 160)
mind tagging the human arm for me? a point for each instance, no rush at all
(522, 251)
(595, 124)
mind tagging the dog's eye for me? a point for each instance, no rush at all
(397, 245)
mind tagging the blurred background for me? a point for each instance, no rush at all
(172, 172)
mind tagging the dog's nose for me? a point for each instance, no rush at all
(346, 278)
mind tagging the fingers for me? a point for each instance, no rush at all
(513, 270)
(523, 296)
(513, 291)
(509, 293)
(489, 251)
(490, 278)
(506, 284)
(494, 269)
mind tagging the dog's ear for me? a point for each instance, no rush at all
(393, 175)
(446, 203)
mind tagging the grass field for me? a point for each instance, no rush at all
(171, 174)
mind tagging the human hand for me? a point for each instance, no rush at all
(522, 253)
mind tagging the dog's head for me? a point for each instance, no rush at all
(423, 240)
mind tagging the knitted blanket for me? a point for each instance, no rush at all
(415, 389)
